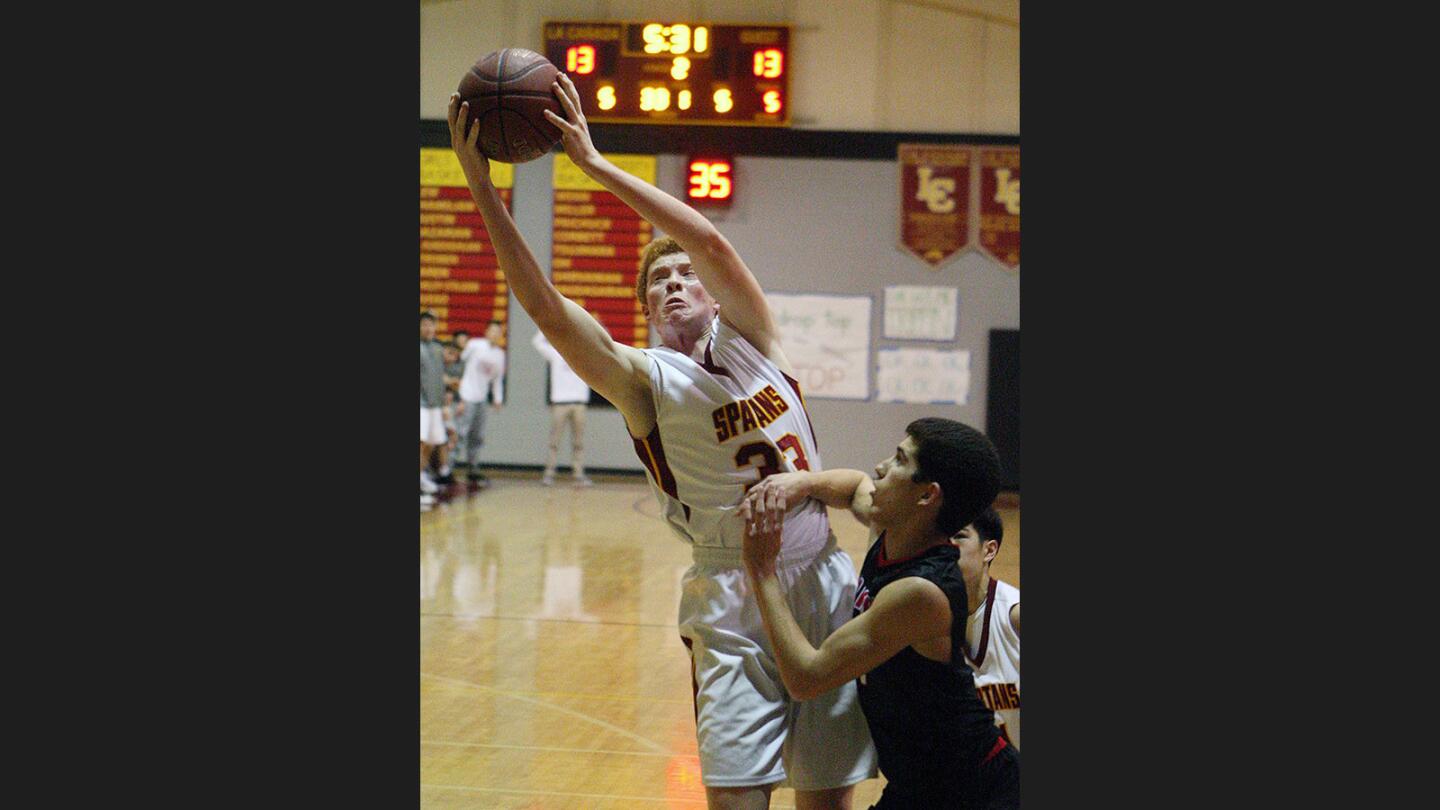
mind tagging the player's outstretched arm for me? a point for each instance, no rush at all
(620, 373)
(769, 500)
(720, 268)
(908, 611)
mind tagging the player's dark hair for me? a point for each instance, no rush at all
(495, 322)
(989, 527)
(963, 462)
(426, 316)
(459, 332)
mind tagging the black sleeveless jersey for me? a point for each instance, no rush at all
(931, 730)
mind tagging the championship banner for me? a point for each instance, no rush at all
(934, 200)
(460, 280)
(1000, 204)
(595, 247)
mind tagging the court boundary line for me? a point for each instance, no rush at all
(611, 796)
(474, 616)
(647, 742)
(588, 696)
(556, 749)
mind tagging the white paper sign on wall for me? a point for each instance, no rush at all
(921, 313)
(923, 376)
(827, 338)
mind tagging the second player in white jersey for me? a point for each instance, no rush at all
(995, 656)
(993, 629)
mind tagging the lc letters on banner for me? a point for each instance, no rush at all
(955, 197)
(935, 200)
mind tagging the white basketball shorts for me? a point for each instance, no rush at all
(749, 730)
(432, 426)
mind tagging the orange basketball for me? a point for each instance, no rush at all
(508, 91)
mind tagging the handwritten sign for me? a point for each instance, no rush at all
(827, 338)
(924, 376)
(921, 313)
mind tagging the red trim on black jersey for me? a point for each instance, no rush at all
(795, 384)
(999, 746)
(881, 560)
(985, 627)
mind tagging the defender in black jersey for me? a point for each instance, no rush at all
(937, 742)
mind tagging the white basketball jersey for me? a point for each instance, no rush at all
(725, 417)
(995, 656)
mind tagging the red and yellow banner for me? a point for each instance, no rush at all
(595, 246)
(1000, 204)
(934, 200)
(460, 281)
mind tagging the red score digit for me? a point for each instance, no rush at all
(710, 180)
(769, 63)
(580, 59)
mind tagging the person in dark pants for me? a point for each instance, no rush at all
(938, 743)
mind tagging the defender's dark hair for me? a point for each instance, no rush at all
(989, 527)
(963, 462)
(427, 316)
(459, 332)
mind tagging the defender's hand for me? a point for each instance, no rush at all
(767, 502)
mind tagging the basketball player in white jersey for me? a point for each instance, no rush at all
(993, 633)
(711, 411)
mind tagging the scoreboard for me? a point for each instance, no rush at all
(675, 73)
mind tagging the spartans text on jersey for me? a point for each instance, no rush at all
(742, 416)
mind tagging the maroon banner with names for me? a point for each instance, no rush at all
(934, 200)
(460, 280)
(1000, 204)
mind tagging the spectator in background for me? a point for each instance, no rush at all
(482, 383)
(452, 401)
(432, 400)
(453, 369)
(569, 399)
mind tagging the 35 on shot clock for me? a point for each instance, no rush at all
(710, 180)
(658, 72)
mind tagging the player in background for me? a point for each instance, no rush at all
(712, 410)
(993, 631)
(569, 403)
(938, 744)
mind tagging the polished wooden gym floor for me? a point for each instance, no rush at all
(551, 671)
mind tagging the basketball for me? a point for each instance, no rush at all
(508, 91)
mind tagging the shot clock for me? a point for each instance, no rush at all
(710, 180)
(674, 72)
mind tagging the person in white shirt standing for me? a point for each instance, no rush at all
(482, 382)
(569, 398)
(993, 632)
